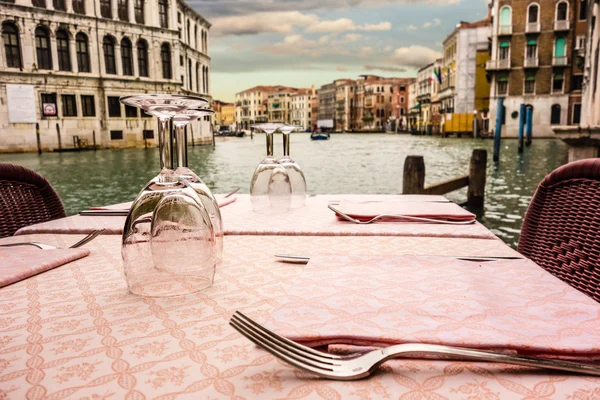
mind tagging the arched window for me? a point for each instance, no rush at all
(123, 10)
(42, 48)
(108, 46)
(59, 5)
(79, 6)
(62, 50)
(505, 16)
(190, 77)
(555, 114)
(196, 36)
(127, 57)
(139, 11)
(562, 11)
(197, 77)
(189, 41)
(83, 53)
(533, 13)
(142, 56)
(165, 57)
(583, 10)
(559, 47)
(163, 13)
(12, 45)
(106, 8)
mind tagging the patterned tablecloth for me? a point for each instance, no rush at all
(76, 332)
(313, 220)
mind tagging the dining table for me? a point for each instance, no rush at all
(75, 331)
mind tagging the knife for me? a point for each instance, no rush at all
(303, 259)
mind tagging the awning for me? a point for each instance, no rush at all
(417, 107)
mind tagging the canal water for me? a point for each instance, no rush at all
(348, 163)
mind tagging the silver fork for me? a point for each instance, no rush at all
(360, 366)
(42, 246)
(399, 216)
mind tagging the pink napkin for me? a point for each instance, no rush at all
(223, 201)
(21, 262)
(440, 211)
(513, 305)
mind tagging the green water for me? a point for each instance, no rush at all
(358, 163)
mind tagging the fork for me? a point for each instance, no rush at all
(407, 217)
(350, 368)
(42, 246)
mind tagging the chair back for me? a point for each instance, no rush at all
(561, 230)
(26, 198)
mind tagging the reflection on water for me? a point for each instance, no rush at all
(344, 164)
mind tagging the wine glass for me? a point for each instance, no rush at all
(270, 188)
(297, 179)
(167, 214)
(180, 121)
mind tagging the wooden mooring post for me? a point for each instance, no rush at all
(414, 178)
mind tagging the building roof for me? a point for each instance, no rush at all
(265, 88)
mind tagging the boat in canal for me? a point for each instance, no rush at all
(319, 136)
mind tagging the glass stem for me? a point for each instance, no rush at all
(165, 144)
(269, 144)
(181, 146)
(286, 145)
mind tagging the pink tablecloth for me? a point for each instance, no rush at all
(313, 220)
(77, 333)
(367, 300)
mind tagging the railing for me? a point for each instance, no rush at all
(504, 29)
(562, 25)
(532, 27)
(531, 62)
(560, 61)
(498, 64)
(414, 178)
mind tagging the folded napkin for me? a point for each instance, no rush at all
(223, 201)
(440, 211)
(21, 262)
(376, 301)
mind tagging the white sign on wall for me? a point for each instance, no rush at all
(21, 104)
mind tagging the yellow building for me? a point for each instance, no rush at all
(227, 114)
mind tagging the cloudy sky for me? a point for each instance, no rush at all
(303, 42)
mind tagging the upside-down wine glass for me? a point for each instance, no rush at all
(180, 121)
(168, 237)
(297, 179)
(270, 188)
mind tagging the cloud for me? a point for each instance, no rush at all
(352, 37)
(414, 56)
(341, 69)
(299, 45)
(426, 25)
(366, 51)
(279, 22)
(345, 25)
(384, 68)
(218, 8)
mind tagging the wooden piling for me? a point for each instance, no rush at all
(477, 175)
(521, 127)
(498, 132)
(37, 137)
(59, 138)
(414, 175)
(94, 138)
(414, 178)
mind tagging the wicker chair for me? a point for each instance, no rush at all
(561, 231)
(26, 198)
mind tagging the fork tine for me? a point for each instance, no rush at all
(282, 354)
(286, 341)
(294, 353)
(88, 238)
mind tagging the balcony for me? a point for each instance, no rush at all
(497, 65)
(504, 29)
(531, 62)
(533, 27)
(560, 61)
(563, 25)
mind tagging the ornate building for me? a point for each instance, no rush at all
(66, 63)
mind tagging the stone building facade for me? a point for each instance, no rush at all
(327, 95)
(301, 113)
(66, 63)
(532, 62)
